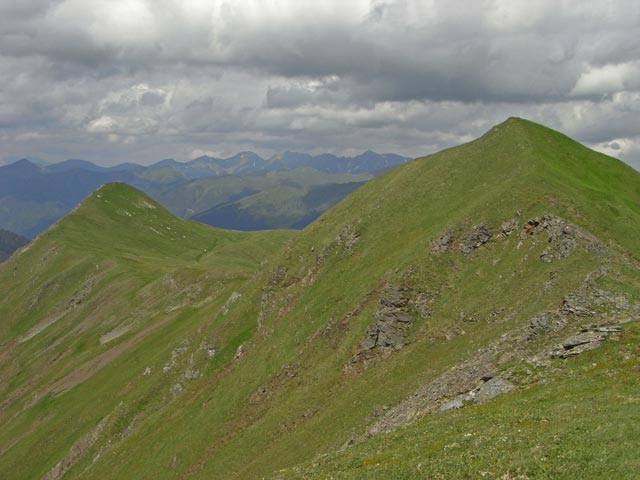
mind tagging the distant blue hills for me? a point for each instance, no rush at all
(34, 194)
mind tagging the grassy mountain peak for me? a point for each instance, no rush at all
(492, 269)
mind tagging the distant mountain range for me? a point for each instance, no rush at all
(33, 196)
(9, 243)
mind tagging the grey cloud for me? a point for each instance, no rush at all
(141, 80)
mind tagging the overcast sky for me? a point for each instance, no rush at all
(141, 80)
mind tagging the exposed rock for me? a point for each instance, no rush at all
(393, 296)
(347, 238)
(209, 349)
(590, 337)
(491, 389)
(77, 451)
(456, 382)
(588, 299)
(468, 317)
(392, 321)
(176, 390)
(423, 304)
(82, 293)
(147, 372)
(277, 276)
(443, 242)
(191, 374)
(453, 404)
(545, 322)
(562, 237)
(230, 301)
(479, 235)
(239, 352)
(175, 353)
(508, 227)
(130, 428)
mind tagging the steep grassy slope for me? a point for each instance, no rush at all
(580, 420)
(425, 284)
(112, 284)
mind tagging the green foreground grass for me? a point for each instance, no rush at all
(580, 421)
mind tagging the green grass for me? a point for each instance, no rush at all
(580, 421)
(306, 301)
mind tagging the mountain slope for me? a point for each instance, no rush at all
(435, 286)
(9, 243)
(115, 281)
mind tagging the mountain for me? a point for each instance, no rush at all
(32, 197)
(278, 199)
(470, 313)
(85, 165)
(366, 162)
(9, 243)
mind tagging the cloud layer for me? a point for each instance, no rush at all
(140, 80)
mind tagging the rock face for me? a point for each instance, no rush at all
(590, 337)
(486, 391)
(391, 322)
(545, 322)
(443, 242)
(562, 237)
(491, 389)
(479, 235)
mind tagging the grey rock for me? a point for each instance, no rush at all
(545, 322)
(453, 404)
(589, 338)
(443, 242)
(393, 296)
(479, 235)
(468, 317)
(491, 389)
(176, 390)
(508, 227)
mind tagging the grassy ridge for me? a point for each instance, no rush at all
(113, 285)
(285, 383)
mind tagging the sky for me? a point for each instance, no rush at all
(114, 81)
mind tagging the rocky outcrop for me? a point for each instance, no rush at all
(590, 337)
(443, 242)
(478, 236)
(77, 451)
(487, 390)
(562, 237)
(392, 319)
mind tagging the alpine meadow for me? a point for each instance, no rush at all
(468, 314)
(319, 240)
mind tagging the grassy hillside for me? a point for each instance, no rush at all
(114, 283)
(433, 287)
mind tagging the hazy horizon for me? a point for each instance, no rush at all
(138, 81)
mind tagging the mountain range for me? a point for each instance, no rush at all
(32, 196)
(469, 314)
(9, 243)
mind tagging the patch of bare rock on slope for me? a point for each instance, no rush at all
(556, 334)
